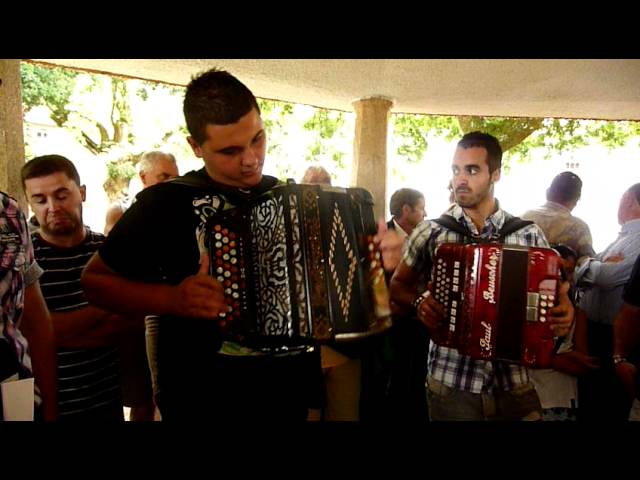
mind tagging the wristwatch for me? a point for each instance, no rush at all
(619, 359)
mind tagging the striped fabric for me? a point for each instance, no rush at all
(446, 365)
(88, 379)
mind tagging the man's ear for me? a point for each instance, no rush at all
(495, 176)
(194, 146)
(83, 192)
(406, 210)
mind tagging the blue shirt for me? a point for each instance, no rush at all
(604, 281)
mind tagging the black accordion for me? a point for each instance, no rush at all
(299, 262)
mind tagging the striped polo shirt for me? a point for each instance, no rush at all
(88, 379)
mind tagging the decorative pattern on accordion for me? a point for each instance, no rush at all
(339, 235)
(227, 266)
(268, 241)
(322, 326)
(298, 267)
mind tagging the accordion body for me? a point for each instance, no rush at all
(497, 300)
(299, 262)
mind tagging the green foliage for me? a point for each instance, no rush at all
(328, 125)
(412, 133)
(518, 136)
(49, 87)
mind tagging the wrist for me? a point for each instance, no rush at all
(617, 359)
(420, 298)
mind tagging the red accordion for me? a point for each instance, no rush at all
(497, 298)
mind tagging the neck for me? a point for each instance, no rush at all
(405, 225)
(481, 212)
(65, 241)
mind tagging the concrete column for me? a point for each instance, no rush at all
(370, 149)
(11, 134)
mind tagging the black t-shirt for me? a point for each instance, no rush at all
(159, 239)
(631, 293)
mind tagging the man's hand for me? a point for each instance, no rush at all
(431, 312)
(574, 363)
(563, 313)
(614, 258)
(390, 244)
(627, 372)
(199, 296)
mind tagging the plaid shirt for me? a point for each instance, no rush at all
(18, 270)
(446, 365)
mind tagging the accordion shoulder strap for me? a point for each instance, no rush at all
(511, 225)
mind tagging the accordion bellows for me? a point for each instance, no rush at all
(299, 262)
(497, 298)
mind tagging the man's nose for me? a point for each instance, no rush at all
(249, 158)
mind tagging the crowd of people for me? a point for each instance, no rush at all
(136, 316)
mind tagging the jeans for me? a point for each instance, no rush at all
(449, 404)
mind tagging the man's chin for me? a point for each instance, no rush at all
(251, 180)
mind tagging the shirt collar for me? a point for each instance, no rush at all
(556, 206)
(632, 226)
(492, 224)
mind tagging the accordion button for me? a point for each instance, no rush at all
(225, 249)
(219, 270)
(218, 245)
(225, 256)
(543, 297)
(232, 235)
(228, 291)
(543, 311)
(235, 295)
(551, 298)
(218, 236)
(543, 304)
(221, 279)
(456, 264)
(233, 261)
(232, 251)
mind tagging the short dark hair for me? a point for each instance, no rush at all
(565, 187)
(404, 196)
(565, 251)
(47, 165)
(215, 97)
(635, 190)
(489, 143)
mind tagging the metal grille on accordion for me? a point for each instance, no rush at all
(497, 299)
(298, 262)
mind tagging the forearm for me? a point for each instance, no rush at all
(107, 333)
(38, 330)
(626, 330)
(404, 287)
(608, 275)
(71, 324)
(107, 289)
